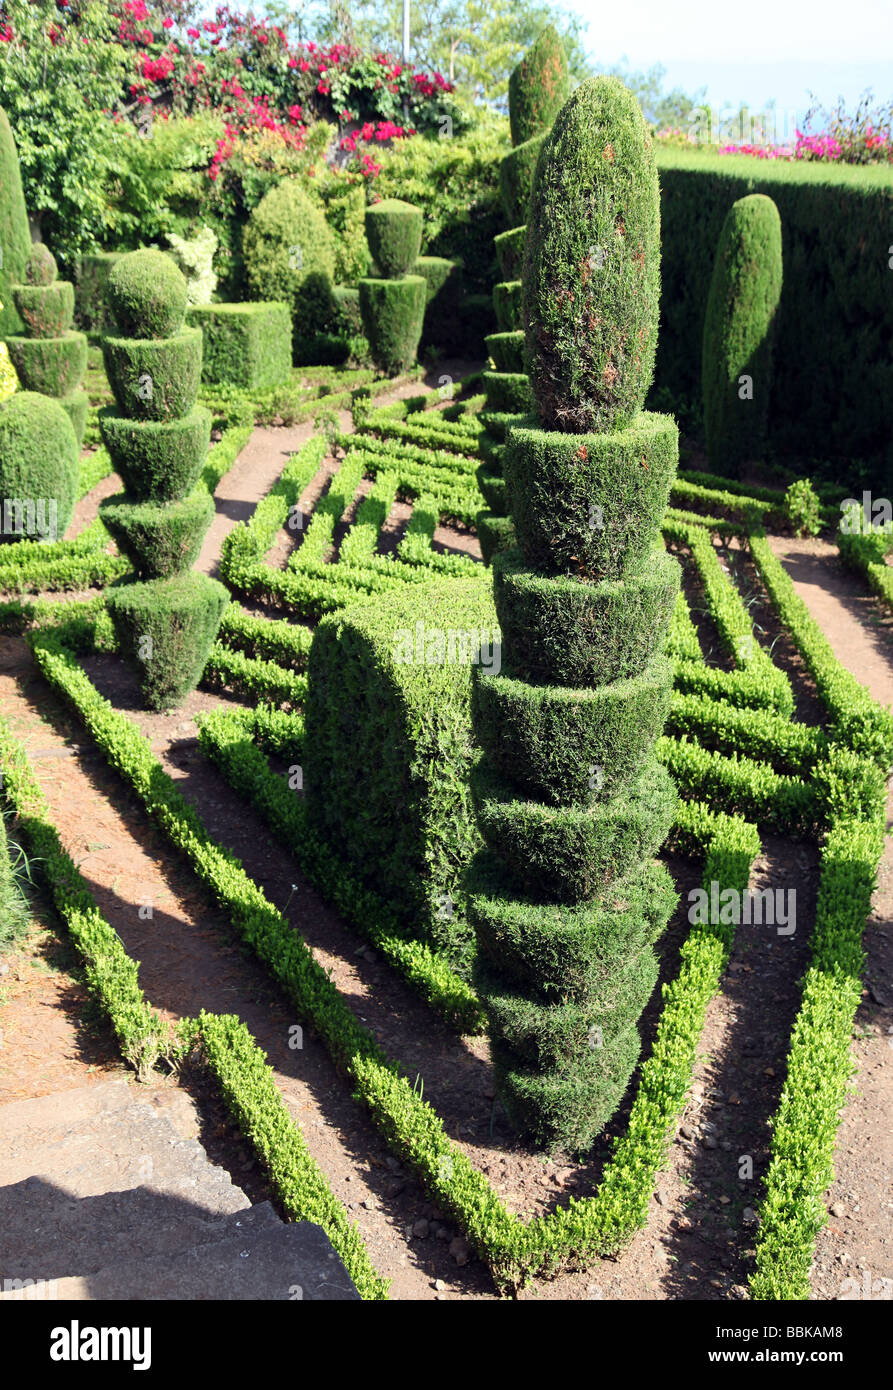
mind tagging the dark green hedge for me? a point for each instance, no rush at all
(244, 345)
(578, 634)
(38, 457)
(45, 310)
(166, 629)
(507, 392)
(507, 305)
(15, 237)
(442, 327)
(510, 252)
(146, 295)
(53, 366)
(833, 378)
(495, 532)
(393, 312)
(159, 460)
(91, 276)
(516, 173)
(76, 406)
(507, 352)
(383, 734)
(159, 540)
(552, 479)
(155, 378)
(538, 87)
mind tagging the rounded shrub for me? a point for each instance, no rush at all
(40, 268)
(146, 295)
(158, 460)
(46, 310)
(538, 87)
(39, 465)
(155, 378)
(166, 628)
(507, 352)
(393, 313)
(15, 236)
(516, 172)
(160, 540)
(739, 329)
(52, 366)
(592, 263)
(394, 234)
(553, 478)
(289, 254)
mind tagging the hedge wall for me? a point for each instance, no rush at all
(833, 382)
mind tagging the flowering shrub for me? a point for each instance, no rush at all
(865, 137)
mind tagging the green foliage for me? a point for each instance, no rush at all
(38, 460)
(593, 260)
(394, 234)
(76, 406)
(40, 268)
(516, 174)
(508, 392)
(803, 508)
(289, 256)
(15, 237)
(393, 314)
(146, 295)
(507, 305)
(14, 914)
(52, 366)
(195, 258)
(416, 733)
(245, 345)
(154, 378)
(510, 252)
(591, 505)
(45, 310)
(739, 334)
(91, 276)
(159, 460)
(166, 629)
(507, 353)
(160, 540)
(538, 87)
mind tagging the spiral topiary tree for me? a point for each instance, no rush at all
(52, 358)
(566, 899)
(15, 236)
(538, 88)
(739, 329)
(393, 304)
(167, 620)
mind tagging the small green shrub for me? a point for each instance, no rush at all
(159, 460)
(538, 87)
(508, 392)
(289, 253)
(166, 628)
(739, 330)
(13, 903)
(160, 540)
(146, 295)
(507, 352)
(803, 508)
(394, 234)
(38, 462)
(393, 314)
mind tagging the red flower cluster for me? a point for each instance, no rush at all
(385, 130)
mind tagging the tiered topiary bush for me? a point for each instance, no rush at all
(739, 330)
(158, 443)
(393, 305)
(15, 237)
(52, 358)
(538, 88)
(566, 899)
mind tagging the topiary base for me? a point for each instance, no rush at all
(548, 739)
(159, 460)
(507, 307)
(563, 631)
(570, 853)
(492, 486)
(166, 628)
(393, 313)
(52, 366)
(160, 541)
(494, 533)
(45, 310)
(507, 352)
(507, 391)
(39, 468)
(510, 252)
(244, 345)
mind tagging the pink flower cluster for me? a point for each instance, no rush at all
(385, 130)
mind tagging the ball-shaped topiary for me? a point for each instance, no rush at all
(146, 295)
(39, 465)
(739, 331)
(40, 268)
(394, 234)
(289, 254)
(538, 87)
(592, 263)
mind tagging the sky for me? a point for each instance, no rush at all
(754, 51)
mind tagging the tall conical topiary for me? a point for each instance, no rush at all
(393, 305)
(52, 357)
(15, 237)
(166, 623)
(572, 804)
(538, 88)
(739, 330)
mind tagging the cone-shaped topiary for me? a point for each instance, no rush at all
(393, 307)
(52, 359)
(592, 282)
(165, 626)
(739, 333)
(394, 234)
(289, 254)
(146, 295)
(38, 467)
(570, 800)
(538, 87)
(15, 237)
